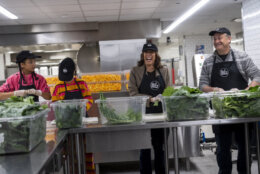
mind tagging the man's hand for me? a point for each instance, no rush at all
(234, 89)
(20, 93)
(34, 92)
(216, 89)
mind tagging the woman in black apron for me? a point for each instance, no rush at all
(67, 70)
(18, 82)
(148, 79)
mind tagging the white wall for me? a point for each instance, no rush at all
(171, 50)
(189, 50)
(2, 67)
(251, 27)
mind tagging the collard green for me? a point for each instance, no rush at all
(185, 103)
(22, 124)
(243, 104)
(130, 116)
(69, 115)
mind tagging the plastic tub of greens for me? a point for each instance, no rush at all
(120, 110)
(236, 105)
(193, 107)
(69, 113)
(185, 103)
(22, 125)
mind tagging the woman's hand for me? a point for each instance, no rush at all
(20, 93)
(34, 92)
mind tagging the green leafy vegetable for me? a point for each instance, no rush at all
(156, 103)
(185, 104)
(21, 134)
(245, 104)
(113, 118)
(68, 115)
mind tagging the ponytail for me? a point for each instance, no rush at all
(21, 74)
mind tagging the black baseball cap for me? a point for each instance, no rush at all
(220, 30)
(66, 69)
(150, 47)
(25, 54)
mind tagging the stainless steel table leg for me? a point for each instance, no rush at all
(83, 153)
(257, 146)
(78, 153)
(166, 151)
(247, 149)
(72, 153)
(68, 157)
(175, 149)
(97, 168)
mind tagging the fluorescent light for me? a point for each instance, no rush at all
(237, 20)
(67, 49)
(53, 51)
(185, 16)
(7, 13)
(38, 51)
(251, 15)
(237, 40)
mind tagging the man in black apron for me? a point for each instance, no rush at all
(226, 75)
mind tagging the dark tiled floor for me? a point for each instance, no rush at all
(205, 164)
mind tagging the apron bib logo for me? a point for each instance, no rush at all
(223, 72)
(155, 85)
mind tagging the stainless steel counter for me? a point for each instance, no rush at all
(111, 128)
(114, 129)
(38, 159)
(33, 162)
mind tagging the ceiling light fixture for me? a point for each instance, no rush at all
(7, 13)
(185, 16)
(237, 20)
(237, 40)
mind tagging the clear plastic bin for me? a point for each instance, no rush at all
(236, 105)
(69, 113)
(22, 134)
(121, 110)
(180, 108)
(154, 117)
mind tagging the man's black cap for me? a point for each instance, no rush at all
(25, 55)
(66, 69)
(220, 30)
(150, 47)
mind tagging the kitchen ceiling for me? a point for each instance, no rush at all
(214, 14)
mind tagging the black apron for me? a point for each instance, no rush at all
(153, 86)
(69, 95)
(226, 75)
(21, 87)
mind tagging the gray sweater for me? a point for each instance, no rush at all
(245, 65)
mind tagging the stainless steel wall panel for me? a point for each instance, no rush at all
(47, 28)
(118, 141)
(78, 32)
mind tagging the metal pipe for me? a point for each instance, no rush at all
(72, 152)
(166, 162)
(78, 153)
(175, 149)
(83, 153)
(257, 146)
(68, 156)
(247, 149)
